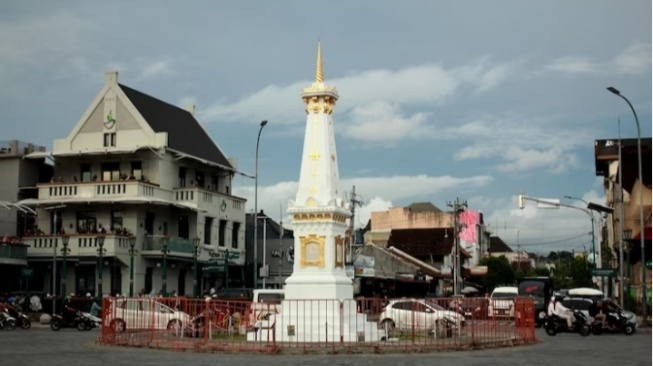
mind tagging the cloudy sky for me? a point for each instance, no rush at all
(479, 100)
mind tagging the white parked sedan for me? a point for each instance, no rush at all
(143, 313)
(418, 314)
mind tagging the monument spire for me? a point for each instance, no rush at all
(319, 72)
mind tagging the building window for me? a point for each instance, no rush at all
(199, 179)
(208, 224)
(85, 172)
(137, 170)
(214, 182)
(221, 234)
(110, 139)
(234, 234)
(182, 177)
(86, 222)
(110, 172)
(116, 221)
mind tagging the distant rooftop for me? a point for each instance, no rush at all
(16, 148)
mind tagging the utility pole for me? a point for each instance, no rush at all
(353, 203)
(458, 206)
(280, 245)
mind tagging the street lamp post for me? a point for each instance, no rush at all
(64, 252)
(164, 269)
(100, 252)
(263, 123)
(132, 253)
(592, 218)
(196, 245)
(641, 203)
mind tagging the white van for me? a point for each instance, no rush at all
(502, 302)
(266, 302)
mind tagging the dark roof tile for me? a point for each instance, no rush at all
(185, 134)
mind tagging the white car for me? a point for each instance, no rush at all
(144, 313)
(416, 314)
(502, 302)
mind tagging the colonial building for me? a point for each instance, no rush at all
(473, 235)
(135, 166)
(19, 178)
(623, 190)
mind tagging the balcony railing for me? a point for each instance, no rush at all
(210, 201)
(13, 254)
(131, 188)
(174, 245)
(79, 245)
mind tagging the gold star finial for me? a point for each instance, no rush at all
(319, 73)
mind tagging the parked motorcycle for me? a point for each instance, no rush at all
(617, 323)
(7, 321)
(555, 325)
(71, 318)
(22, 320)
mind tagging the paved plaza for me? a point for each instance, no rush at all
(41, 346)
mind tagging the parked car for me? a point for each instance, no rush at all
(419, 314)
(143, 313)
(502, 302)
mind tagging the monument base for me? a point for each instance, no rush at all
(312, 321)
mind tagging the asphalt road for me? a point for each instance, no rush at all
(41, 346)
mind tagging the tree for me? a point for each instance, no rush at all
(499, 272)
(539, 272)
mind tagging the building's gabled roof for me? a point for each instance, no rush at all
(423, 207)
(185, 134)
(498, 246)
(422, 242)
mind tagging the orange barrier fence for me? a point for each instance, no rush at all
(372, 325)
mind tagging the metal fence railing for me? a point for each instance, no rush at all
(358, 325)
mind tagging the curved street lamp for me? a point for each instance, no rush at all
(100, 252)
(132, 253)
(263, 123)
(616, 92)
(196, 245)
(64, 251)
(164, 270)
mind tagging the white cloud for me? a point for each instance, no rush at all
(272, 199)
(574, 64)
(633, 59)
(382, 122)
(156, 69)
(518, 142)
(412, 86)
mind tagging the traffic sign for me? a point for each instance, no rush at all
(218, 268)
(27, 272)
(603, 272)
(233, 255)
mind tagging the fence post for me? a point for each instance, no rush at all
(207, 320)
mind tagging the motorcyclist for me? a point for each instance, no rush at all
(556, 308)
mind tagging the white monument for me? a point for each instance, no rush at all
(319, 303)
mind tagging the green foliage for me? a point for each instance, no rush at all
(499, 272)
(539, 272)
(572, 272)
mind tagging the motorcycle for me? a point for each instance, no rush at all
(22, 320)
(7, 321)
(555, 325)
(72, 318)
(617, 323)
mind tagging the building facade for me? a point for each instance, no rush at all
(19, 178)
(135, 166)
(616, 162)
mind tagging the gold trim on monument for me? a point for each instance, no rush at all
(305, 241)
(319, 216)
(339, 252)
